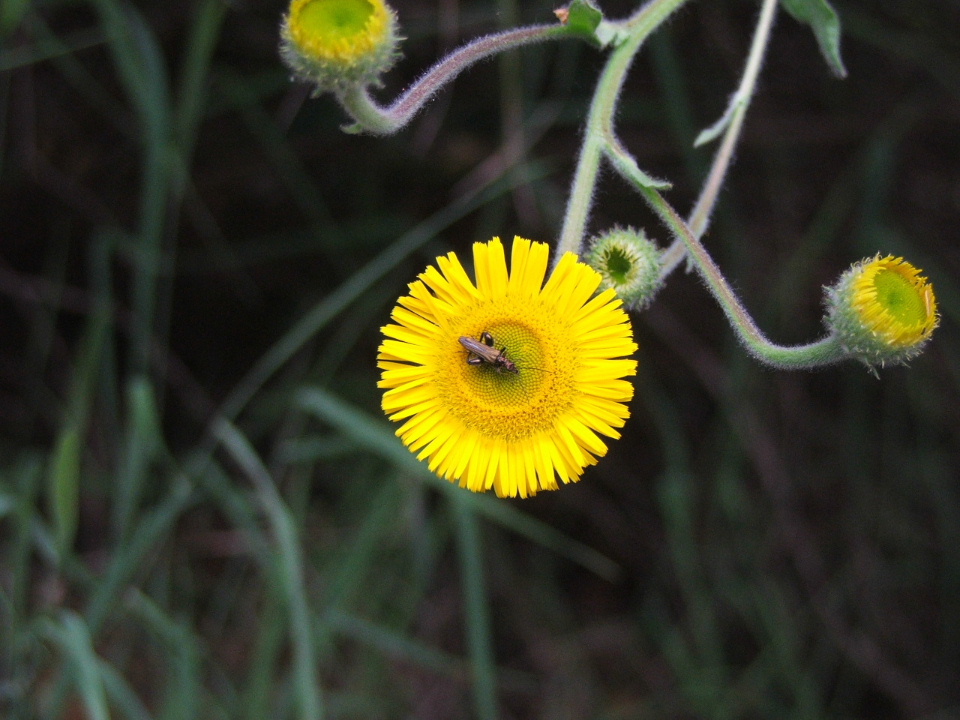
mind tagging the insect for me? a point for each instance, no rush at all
(483, 352)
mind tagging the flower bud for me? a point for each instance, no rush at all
(339, 43)
(629, 263)
(882, 310)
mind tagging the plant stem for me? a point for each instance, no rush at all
(825, 351)
(600, 139)
(380, 120)
(600, 120)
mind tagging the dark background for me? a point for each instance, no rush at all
(775, 545)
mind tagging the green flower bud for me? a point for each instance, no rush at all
(629, 263)
(882, 310)
(339, 43)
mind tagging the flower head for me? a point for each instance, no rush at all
(476, 420)
(882, 310)
(338, 43)
(629, 263)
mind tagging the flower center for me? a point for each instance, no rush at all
(899, 296)
(492, 381)
(487, 395)
(618, 265)
(336, 18)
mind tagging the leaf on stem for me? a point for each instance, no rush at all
(64, 486)
(625, 164)
(580, 16)
(585, 20)
(823, 20)
(714, 131)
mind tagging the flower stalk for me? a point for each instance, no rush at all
(600, 141)
(825, 351)
(599, 127)
(383, 120)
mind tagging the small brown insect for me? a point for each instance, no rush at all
(483, 352)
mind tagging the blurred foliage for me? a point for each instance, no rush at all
(203, 512)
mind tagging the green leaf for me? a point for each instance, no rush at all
(73, 636)
(64, 487)
(583, 19)
(625, 164)
(715, 130)
(11, 13)
(378, 438)
(142, 444)
(823, 20)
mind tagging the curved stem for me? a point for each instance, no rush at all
(600, 120)
(825, 351)
(380, 120)
(600, 139)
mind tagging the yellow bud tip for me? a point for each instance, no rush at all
(895, 301)
(344, 31)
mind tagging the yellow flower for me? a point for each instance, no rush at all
(481, 424)
(336, 43)
(883, 310)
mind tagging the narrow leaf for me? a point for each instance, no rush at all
(627, 166)
(714, 131)
(377, 437)
(64, 487)
(72, 635)
(583, 19)
(141, 445)
(823, 20)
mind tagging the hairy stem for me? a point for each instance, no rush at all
(379, 120)
(600, 120)
(825, 351)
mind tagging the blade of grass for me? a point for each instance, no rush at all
(348, 570)
(18, 510)
(125, 562)
(129, 559)
(696, 655)
(239, 510)
(73, 636)
(181, 653)
(193, 91)
(63, 486)
(265, 659)
(290, 568)
(121, 695)
(142, 442)
(376, 437)
(141, 67)
(477, 610)
(48, 48)
(297, 179)
(393, 644)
